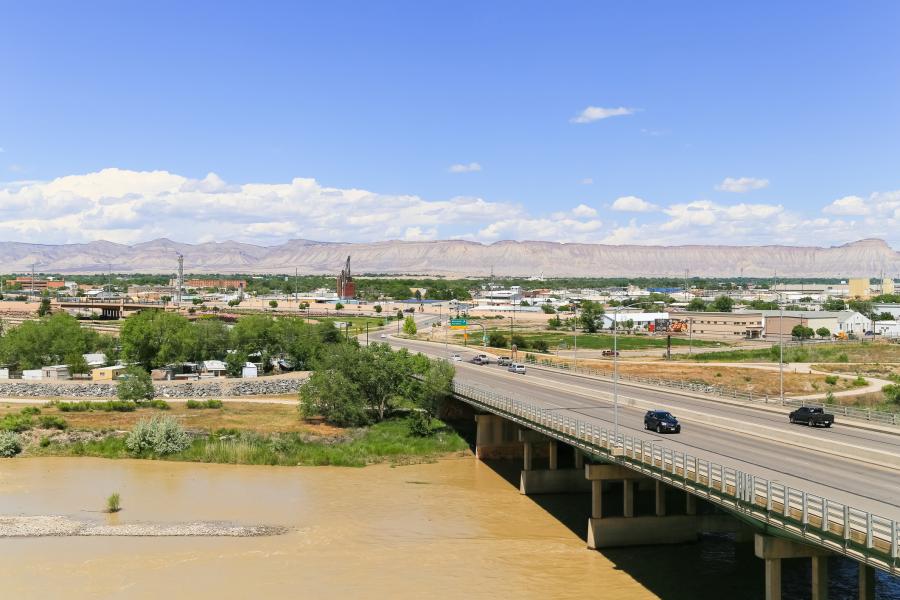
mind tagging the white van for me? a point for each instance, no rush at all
(517, 368)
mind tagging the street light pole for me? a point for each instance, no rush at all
(781, 353)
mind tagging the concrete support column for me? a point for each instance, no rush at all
(554, 455)
(773, 579)
(527, 456)
(819, 578)
(690, 506)
(596, 498)
(579, 459)
(628, 498)
(866, 582)
(660, 499)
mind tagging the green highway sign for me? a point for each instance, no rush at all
(458, 322)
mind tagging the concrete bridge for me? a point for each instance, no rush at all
(735, 468)
(112, 309)
(690, 495)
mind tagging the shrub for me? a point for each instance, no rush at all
(157, 436)
(860, 381)
(829, 397)
(9, 444)
(199, 404)
(30, 410)
(45, 441)
(831, 379)
(80, 406)
(540, 346)
(273, 303)
(892, 392)
(497, 339)
(157, 404)
(53, 422)
(519, 341)
(842, 357)
(419, 424)
(135, 385)
(112, 503)
(16, 423)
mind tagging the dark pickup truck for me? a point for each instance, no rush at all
(812, 416)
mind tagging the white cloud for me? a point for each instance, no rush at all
(742, 184)
(583, 210)
(587, 181)
(596, 113)
(551, 229)
(417, 234)
(632, 204)
(465, 168)
(848, 205)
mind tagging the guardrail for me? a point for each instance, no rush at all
(865, 414)
(850, 531)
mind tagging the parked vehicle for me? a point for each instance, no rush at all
(812, 416)
(516, 368)
(661, 421)
(610, 353)
(504, 361)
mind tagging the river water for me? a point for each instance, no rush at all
(452, 529)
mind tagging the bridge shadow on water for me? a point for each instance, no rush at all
(714, 567)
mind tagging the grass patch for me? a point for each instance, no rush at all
(598, 341)
(826, 353)
(112, 503)
(389, 441)
(201, 404)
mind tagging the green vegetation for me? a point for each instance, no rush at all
(200, 404)
(52, 422)
(823, 332)
(107, 406)
(542, 342)
(591, 318)
(390, 440)
(57, 339)
(409, 326)
(892, 393)
(802, 332)
(831, 379)
(113, 503)
(9, 444)
(135, 385)
(157, 436)
(357, 386)
(818, 353)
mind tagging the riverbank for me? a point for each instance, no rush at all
(59, 526)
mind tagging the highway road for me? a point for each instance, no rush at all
(802, 464)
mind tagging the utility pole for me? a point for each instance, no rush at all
(32, 283)
(180, 281)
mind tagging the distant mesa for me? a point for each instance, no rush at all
(456, 258)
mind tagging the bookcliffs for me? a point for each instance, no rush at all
(457, 258)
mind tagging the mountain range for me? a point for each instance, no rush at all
(457, 258)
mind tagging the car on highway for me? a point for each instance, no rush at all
(661, 421)
(481, 359)
(383, 335)
(455, 357)
(813, 416)
(504, 361)
(516, 368)
(610, 353)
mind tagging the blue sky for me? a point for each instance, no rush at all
(112, 115)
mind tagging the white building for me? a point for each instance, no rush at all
(853, 322)
(640, 320)
(249, 371)
(889, 329)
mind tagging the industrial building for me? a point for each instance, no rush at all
(729, 325)
(346, 287)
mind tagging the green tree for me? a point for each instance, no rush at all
(437, 386)
(722, 304)
(591, 318)
(333, 395)
(44, 308)
(77, 363)
(234, 363)
(409, 326)
(378, 308)
(540, 345)
(696, 304)
(53, 340)
(338, 306)
(802, 332)
(419, 295)
(209, 339)
(253, 333)
(518, 341)
(273, 303)
(823, 332)
(892, 393)
(154, 338)
(496, 339)
(833, 304)
(861, 306)
(135, 385)
(548, 309)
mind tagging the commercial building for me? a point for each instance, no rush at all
(55, 372)
(217, 284)
(781, 323)
(639, 320)
(38, 285)
(727, 325)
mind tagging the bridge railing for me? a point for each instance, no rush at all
(865, 414)
(867, 537)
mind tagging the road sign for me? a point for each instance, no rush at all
(458, 322)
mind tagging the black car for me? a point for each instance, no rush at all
(812, 416)
(661, 421)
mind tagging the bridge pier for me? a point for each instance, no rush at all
(866, 582)
(773, 550)
(495, 437)
(552, 480)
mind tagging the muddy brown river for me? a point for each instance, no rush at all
(452, 529)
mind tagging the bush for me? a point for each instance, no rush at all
(135, 385)
(200, 404)
(273, 303)
(419, 424)
(892, 392)
(45, 442)
(30, 410)
(519, 341)
(16, 423)
(540, 346)
(829, 397)
(860, 381)
(53, 422)
(9, 444)
(497, 340)
(842, 358)
(157, 404)
(831, 379)
(157, 436)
